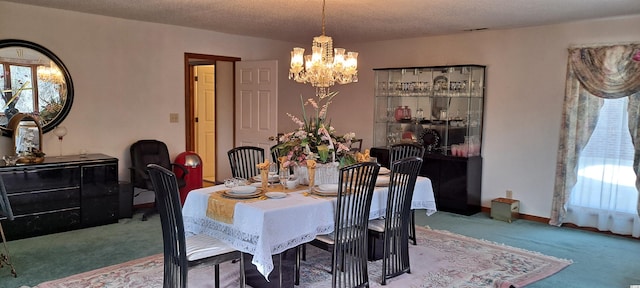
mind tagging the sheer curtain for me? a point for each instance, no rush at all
(605, 195)
(599, 78)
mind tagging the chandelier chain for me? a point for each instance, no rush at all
(323, 5)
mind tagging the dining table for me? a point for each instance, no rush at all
(265, 226)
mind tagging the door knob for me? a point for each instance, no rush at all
(272, 138)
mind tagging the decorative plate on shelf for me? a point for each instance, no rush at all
(430, 139)
(441, 82)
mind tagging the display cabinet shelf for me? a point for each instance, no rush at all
(439, 107)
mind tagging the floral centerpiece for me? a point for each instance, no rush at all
(315, 138)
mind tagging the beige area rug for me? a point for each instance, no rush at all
(441, 259)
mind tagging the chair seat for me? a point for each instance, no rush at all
(352, 234)
(326, 238)
(377, 225)
(202, 246)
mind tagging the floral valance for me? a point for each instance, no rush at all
(607, 71)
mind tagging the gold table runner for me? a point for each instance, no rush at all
(221, 208)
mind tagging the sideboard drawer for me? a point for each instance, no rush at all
(30, 179)
(42, 224)
(44, 200)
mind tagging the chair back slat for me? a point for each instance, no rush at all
(5, 206)
(168, 203)
(243, 161)
(5, 211)
(404, 150)
(404, 173)
(355, 192)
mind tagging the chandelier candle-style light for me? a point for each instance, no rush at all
(50, 74)
(325, 66)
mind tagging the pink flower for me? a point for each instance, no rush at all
(313, 103)
(296, 120)
(342, 147)
(637, 56)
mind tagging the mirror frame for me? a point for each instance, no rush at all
(8, 43)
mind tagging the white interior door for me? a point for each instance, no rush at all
(256, 104)
(206, 115)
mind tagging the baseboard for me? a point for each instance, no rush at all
(567, 225)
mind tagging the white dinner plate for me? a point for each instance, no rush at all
(384, 171)
(256, 184)
(315, 190)
(227, 193)
(327, 188)
(275, 195)
(243, 190)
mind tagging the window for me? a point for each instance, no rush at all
(606, 180)
(38, 94)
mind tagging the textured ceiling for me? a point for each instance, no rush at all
(348, 21)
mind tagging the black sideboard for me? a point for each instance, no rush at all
(61, 194)
(456, 181)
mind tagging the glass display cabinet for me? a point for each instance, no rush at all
(442, 109)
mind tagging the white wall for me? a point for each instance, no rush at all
(128, 77)
(526, 70)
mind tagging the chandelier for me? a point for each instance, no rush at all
(325, 66)
(50, 74)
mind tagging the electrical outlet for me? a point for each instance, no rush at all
(509, 194)
(173, 117)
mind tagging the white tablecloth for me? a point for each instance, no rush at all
(265, 228)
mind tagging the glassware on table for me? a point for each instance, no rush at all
(283, 177)
(273, 170)
(230, 183)
(241, 181)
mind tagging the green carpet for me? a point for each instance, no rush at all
(599, 260)
(54, 256)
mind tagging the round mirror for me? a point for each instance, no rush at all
(33, 81)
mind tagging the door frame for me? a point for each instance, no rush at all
(191, 60)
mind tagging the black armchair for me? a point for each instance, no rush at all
(145, 152)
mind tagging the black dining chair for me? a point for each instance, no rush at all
(394, 228)
(348, 242)
(182, 252)
(356, 145)
(145, 152)
(5, 212)
(275, 154)
(243, 161)
(400, 151)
